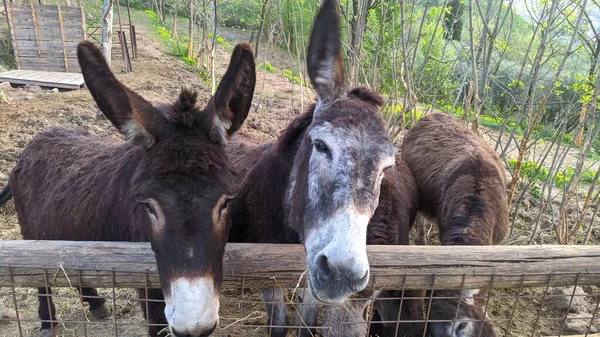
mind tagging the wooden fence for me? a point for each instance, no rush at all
(132, 265)
(247, 267)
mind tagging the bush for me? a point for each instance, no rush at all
(491, 122)
(530, 169)
(564, 178)
(535, 191)
(287, 74)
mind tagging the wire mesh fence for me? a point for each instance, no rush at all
(413, 291)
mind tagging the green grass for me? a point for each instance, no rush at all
(177, 47)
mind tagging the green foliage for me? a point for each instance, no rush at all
(289, 75)
(530, 170)
(220, 40)
(175, 47)
(534, 189)
(491, 122)
(6, 53)
(564, 178)
(268, 67)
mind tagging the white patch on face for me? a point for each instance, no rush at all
(468, 325)
(466, 331)
(193, 306)
(343, 240)
(468, 294)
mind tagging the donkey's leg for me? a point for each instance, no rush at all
(306, 316)
(276, 307)
(153, 308)
(98, 306)
(47, 313)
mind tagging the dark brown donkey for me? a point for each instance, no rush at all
(462, 188)
(168, 184)
(332, 181)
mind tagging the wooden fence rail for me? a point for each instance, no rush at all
(131, 265)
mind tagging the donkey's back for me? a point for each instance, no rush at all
(61, 167)
(461, 180)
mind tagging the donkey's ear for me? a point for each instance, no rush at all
(132, 115)
(324, 60)
(233, 98)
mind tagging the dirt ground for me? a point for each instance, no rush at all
(158, 77)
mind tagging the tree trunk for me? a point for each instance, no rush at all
(107, 26)
(161, 13)
(106, 36)
(174, 27)
(213, 45)
(265, 3)
(190, 52)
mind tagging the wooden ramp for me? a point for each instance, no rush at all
(44, 40)
(44, 78)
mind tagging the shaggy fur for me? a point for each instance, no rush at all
(462, 187)
(72, 185)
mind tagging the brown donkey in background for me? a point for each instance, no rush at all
(462, 188)
(168, 184)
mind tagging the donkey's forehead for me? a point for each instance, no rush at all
(353, 135)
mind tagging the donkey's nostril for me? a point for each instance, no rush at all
(462, 326)
(323, 264)
(361, 283)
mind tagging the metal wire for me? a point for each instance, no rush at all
(243, 311)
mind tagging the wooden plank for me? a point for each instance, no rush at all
(50, 25)
(46, 45)
(24, 74)
(49, 34)
(35, 27)
(83, 30)
(24, 16)
(9, 72)
(393, 267)
(52, 67)
(46, 53)
(62, 32)
(43, 84)
(47, 8)
(77, 80)
(71, 84)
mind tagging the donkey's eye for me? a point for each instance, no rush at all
(150, 209)
(320, 146)
(223, 207)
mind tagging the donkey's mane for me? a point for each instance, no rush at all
(290, 135)
(184, 109)
(365, 94)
